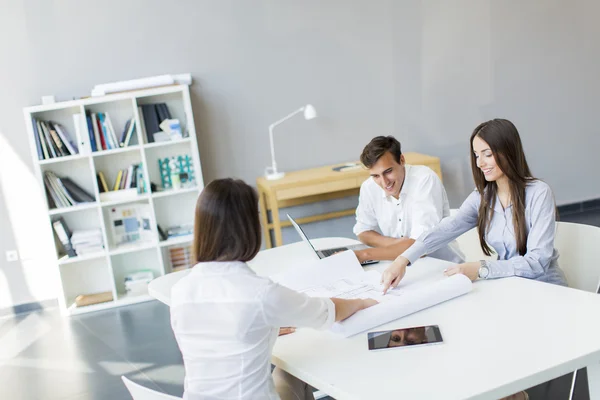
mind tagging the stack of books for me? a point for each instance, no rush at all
(181, 258)
(152, 116)
(63, 192)
(87, 241)
(128, 178)
(136, 283)
(102, 133)
(52, 140)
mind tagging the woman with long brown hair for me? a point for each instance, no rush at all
(226, 318)
(514, 214)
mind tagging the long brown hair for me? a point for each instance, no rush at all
(505, 143)
(226, 225)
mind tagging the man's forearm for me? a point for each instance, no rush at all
(386, 253)
(375, 239)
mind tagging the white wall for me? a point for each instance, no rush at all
(426, 71)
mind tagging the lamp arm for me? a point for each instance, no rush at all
(290, 115)
(273, 125)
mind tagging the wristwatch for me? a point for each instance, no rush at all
(484, 270)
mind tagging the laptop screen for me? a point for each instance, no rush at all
(302, 234)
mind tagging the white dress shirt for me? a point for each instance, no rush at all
(422, 204)
(226, 320)
(540, 262)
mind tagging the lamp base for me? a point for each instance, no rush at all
(274, 176)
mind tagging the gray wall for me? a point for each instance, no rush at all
(426, 71)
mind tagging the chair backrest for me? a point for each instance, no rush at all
(139, 392)
(578, 247)
(469, 244)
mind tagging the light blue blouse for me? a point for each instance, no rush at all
(540, 261)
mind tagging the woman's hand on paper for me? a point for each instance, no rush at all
(393, 274)
(368, 303)
(286, 330)
(470, 270)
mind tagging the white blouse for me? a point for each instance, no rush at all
(226, 320)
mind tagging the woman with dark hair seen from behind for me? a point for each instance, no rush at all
(514, 213)
(226, 318)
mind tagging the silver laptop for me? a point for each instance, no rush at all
(328, 252)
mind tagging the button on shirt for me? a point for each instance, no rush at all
(422, 204)
(226, 320)
(540, 262)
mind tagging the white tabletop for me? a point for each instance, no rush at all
(505, 336)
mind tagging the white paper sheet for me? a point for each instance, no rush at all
(342, 276)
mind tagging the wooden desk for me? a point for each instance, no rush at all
(313, 185)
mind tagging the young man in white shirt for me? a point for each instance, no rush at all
(398, 203)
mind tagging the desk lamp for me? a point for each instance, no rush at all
(271, 172)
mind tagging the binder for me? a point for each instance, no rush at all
(77, 192)
(64, 235)
(150, 121)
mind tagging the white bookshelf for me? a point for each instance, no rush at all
(105, 270)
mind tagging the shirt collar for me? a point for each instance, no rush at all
(222, 268)
(405, 185)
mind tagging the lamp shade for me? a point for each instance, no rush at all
(310, 112)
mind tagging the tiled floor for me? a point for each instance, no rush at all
(45, 356)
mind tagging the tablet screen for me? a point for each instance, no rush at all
(405, 337)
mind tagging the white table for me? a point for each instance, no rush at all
(506, 336)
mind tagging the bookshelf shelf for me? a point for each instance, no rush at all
(140, 197)
(176, 240)
(124, 117)
(115, 151)
(168, 143)
(167, 193)
(71, 260)
(79, 207)
(62, 159)
(126, 248)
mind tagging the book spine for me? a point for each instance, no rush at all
(98, 133)
(130, 132)
(62, 151)
(36, 134)
(48, 139)
(64, 136)
(42, 140)
(103, 180)
(118, 180)
(111, 131)
(88, 119)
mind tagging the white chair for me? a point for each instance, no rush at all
(469, 244)
(139, 392)
(579, 257)
(579, 254)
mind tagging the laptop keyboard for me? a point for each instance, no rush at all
(330, 252)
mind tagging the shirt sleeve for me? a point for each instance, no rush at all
(540, 242)
(428, 209)
(282, 306)
(366, 219)
(446, 231)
